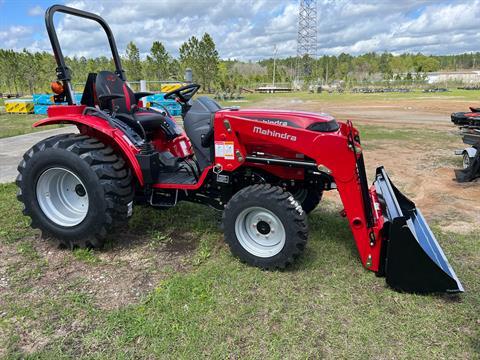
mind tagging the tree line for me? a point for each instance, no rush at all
(31, 72)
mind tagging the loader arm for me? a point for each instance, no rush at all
(391, 235)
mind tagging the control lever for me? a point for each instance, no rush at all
(115, 110)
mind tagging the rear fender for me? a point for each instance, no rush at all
(99, 128)
(471, 151)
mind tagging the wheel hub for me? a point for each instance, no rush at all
(260, 232)
(263, 227)
(80, 190)
(62, 197)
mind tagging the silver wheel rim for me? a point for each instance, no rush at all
(466, 161)
(62, 196)
(260, 232)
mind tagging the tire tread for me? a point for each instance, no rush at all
(292, 210)
(113, 174)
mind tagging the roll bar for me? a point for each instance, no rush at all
(62, 70)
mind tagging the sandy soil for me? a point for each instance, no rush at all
(424, 176)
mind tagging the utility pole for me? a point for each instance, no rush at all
(326, 74)
(274, 59)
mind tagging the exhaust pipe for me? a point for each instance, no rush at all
(413, 261)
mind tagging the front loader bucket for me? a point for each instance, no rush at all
(413, 260)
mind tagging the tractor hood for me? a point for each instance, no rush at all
(297, 119)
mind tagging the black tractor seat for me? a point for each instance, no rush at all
(150, 120)
(113, 94)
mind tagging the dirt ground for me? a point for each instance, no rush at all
(422, 168)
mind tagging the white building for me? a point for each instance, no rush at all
(467, 77)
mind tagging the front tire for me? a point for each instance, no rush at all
(265, 226)
(75, 189)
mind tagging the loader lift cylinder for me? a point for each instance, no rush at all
(362, 175)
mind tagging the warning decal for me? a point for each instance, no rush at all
(224, 149)
(219, 149)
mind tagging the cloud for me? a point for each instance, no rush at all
(10, 37)
(249, 29)
(36, 11)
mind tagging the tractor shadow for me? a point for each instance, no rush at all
(329, 237)
(174, 230)
(180, 230)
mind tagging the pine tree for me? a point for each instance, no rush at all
(202, 57)
(133, 65)
(158, 62)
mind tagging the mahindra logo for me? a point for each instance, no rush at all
(273, 133)
(276, 122)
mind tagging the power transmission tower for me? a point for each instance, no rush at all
(306, 39)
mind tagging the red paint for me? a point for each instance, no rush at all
(127, 97)
(60, 110)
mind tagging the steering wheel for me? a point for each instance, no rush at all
(184, 93)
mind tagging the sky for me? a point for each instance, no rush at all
(249, 29)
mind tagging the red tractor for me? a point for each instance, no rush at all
(265, 170)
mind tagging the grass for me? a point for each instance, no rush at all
(86, 256)
(384, 133)
(13, 225)
(252, 99)
(326, 305)
(19, 124)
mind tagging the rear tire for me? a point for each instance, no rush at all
(75, 189)
(265, 226)
(466, 160)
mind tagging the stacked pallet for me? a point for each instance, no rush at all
(165, 88)
(19, 106)
(41, 102)
(159, 102)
